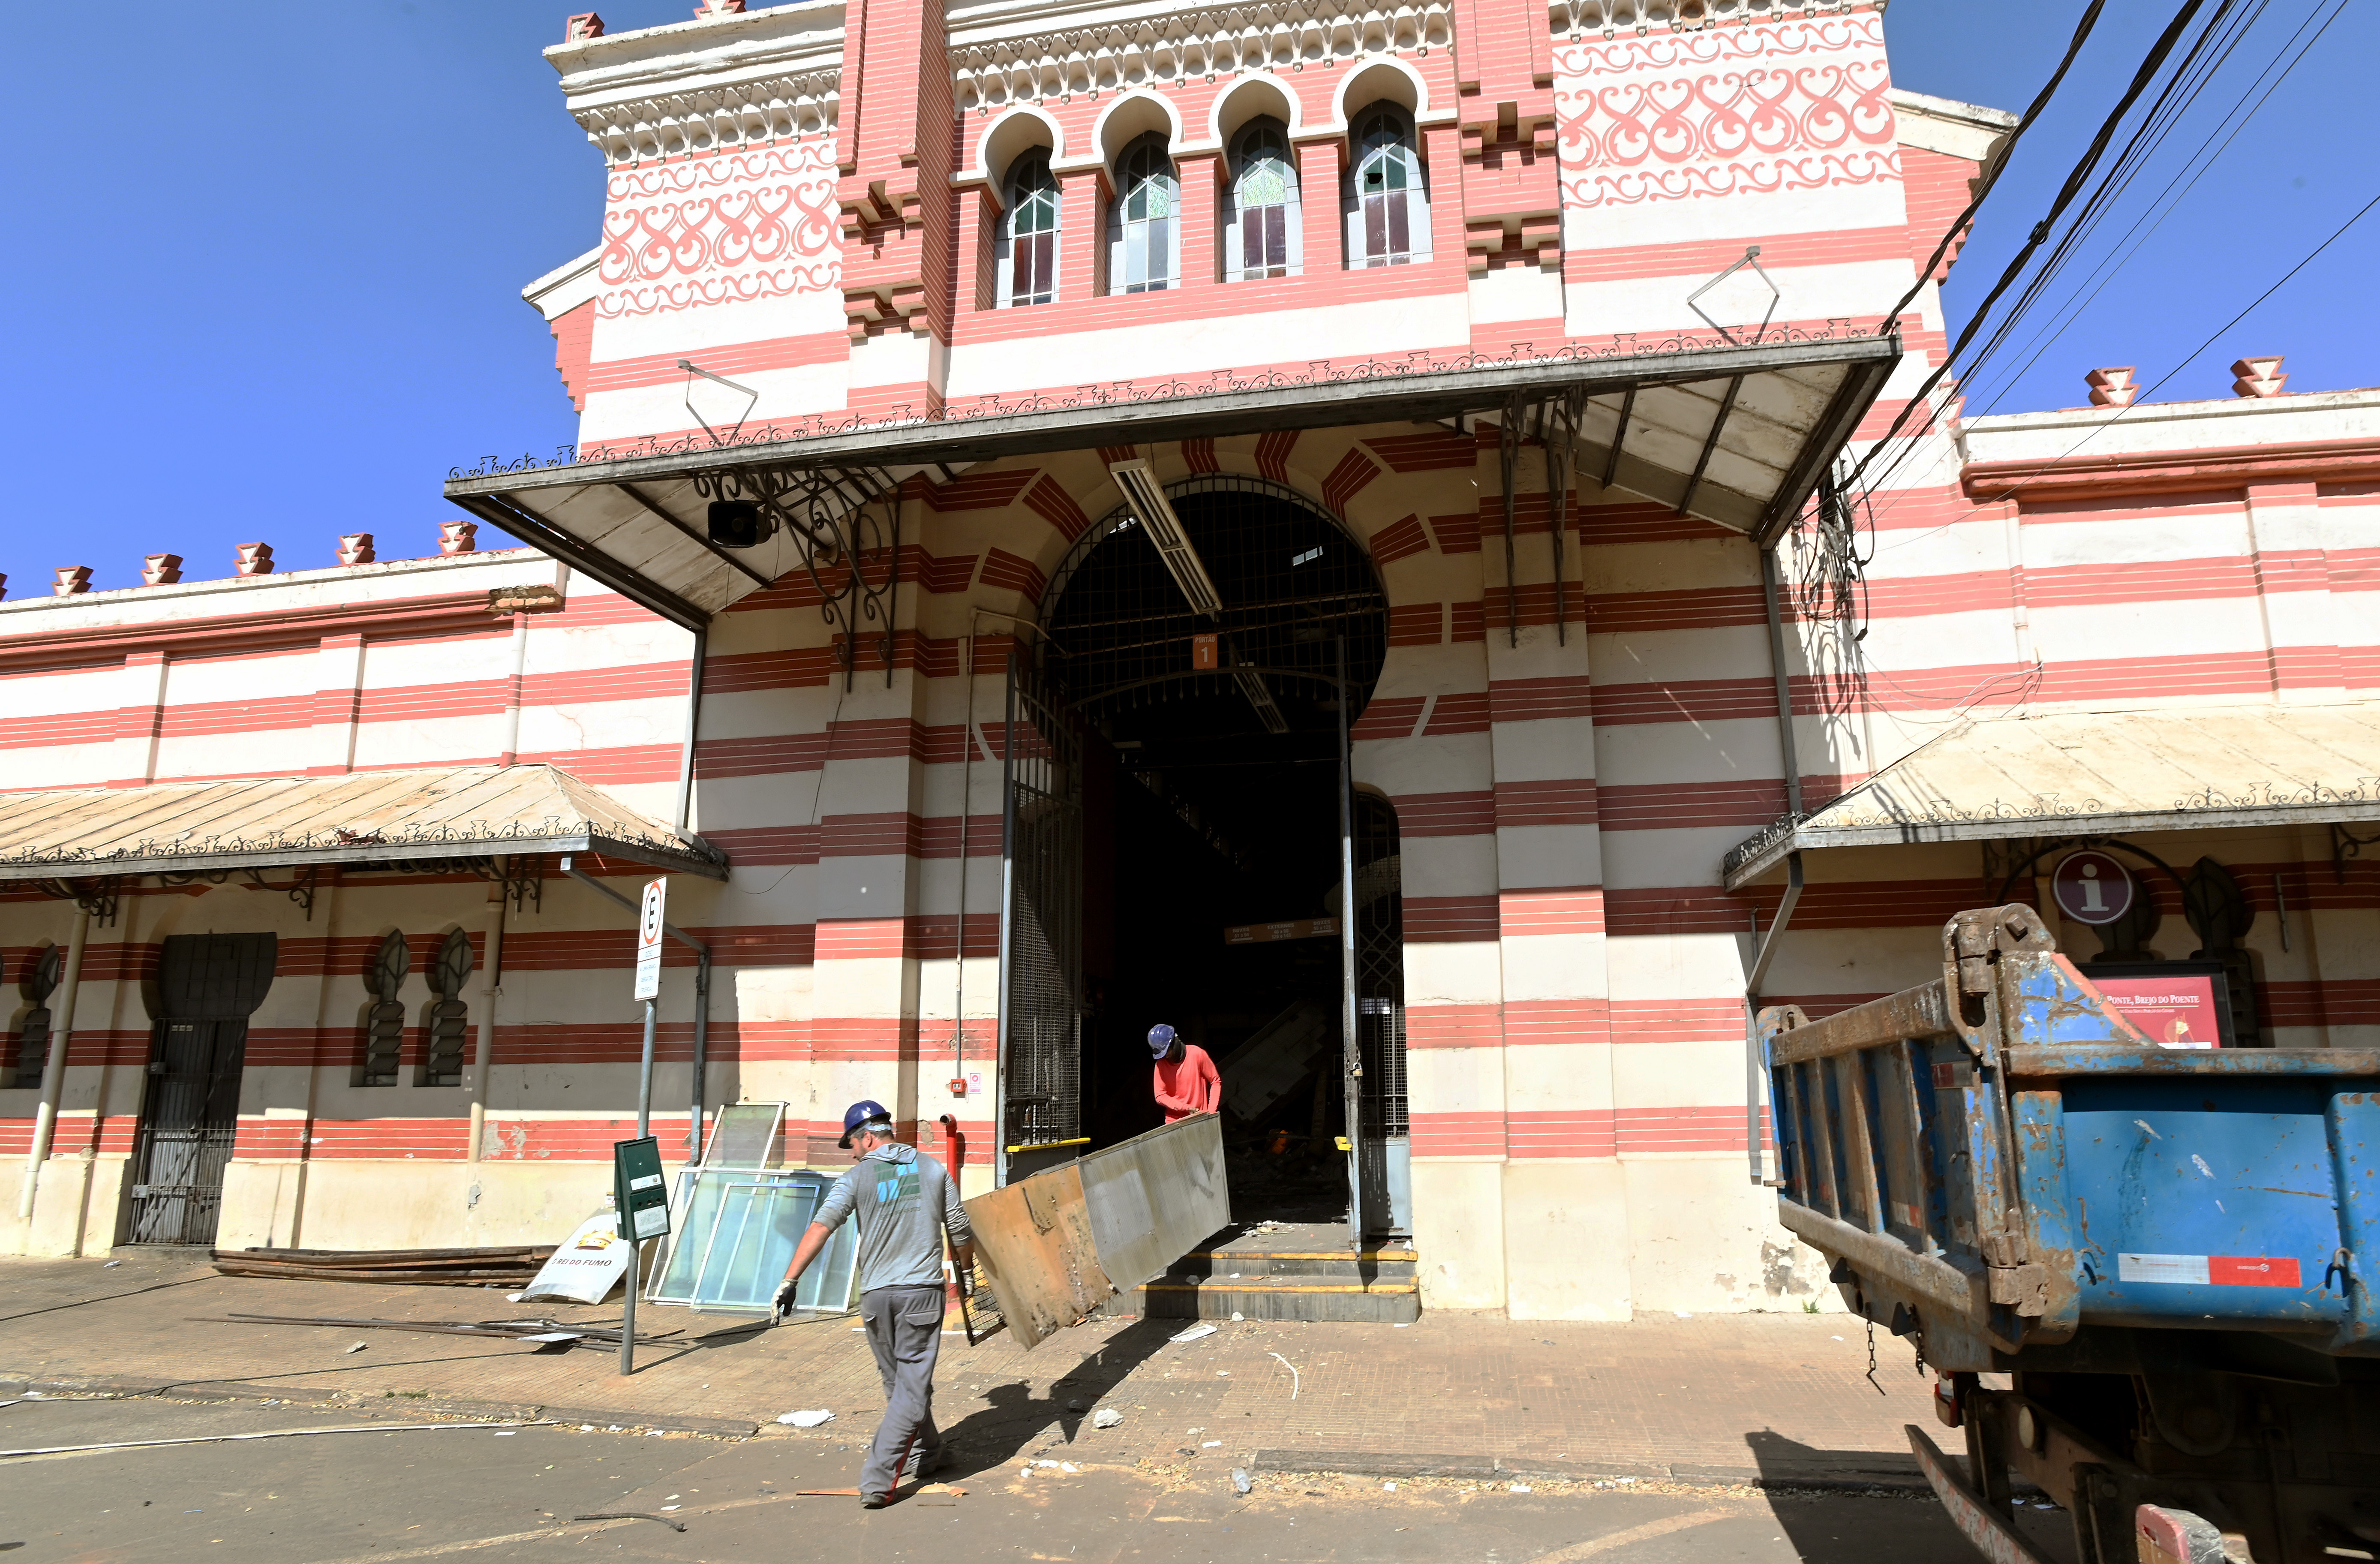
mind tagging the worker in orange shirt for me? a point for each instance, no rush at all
(1186, 1082)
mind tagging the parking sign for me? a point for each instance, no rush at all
(649, 917)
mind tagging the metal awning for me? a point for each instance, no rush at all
(2099, 773)
(1736, 435)
(464, 812)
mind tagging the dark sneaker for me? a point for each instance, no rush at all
(930, 1463)
(874, 1501)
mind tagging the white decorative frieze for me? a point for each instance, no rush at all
(733, 228)
(711, 117)
(1575, 18)
(1798, 105)
(1152, 50)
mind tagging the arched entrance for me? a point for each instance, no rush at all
(1198, 770)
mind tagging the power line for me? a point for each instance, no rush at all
(2149, 68)
(2107, 270)
(2008, 151)
(2180, 91)
(2186, 359)
(2171, 103)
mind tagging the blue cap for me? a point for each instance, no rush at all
(860, 1113)
(1160, 1040)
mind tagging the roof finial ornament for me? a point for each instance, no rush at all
(2258, 377)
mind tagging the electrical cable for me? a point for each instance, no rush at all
(2183, 363)
(2186, 358)
(2149, 68)
(2008, 149)
(2093, 211)
(2107, 270)
(2180, 92)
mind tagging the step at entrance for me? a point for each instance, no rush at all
(1289, 1272)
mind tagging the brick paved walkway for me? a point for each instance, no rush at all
(1719, 1397)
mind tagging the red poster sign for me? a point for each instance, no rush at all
(2177, 1013)
(1204, 653)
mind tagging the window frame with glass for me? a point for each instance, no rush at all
(1263, 236)
(1385, 153)
(1031, 223)
(1145, 219)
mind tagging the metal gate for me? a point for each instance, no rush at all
(1040, 928)
(208, 985)
(1385, 1136)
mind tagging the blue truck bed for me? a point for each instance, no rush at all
(2169, 1249)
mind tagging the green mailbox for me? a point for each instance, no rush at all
(639, 1189)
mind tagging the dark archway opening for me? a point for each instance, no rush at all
(1211, 804)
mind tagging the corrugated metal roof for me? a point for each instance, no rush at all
(2094, 774)
(381, 816)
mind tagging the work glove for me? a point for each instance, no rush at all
(783, 1304)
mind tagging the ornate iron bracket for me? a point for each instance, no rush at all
(1555, 424)
(830, 511)
(97, 897)
(300, 890)
(522, 877)
(2346, 844)
(1559, 423)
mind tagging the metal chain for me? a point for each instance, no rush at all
(1871, 1357)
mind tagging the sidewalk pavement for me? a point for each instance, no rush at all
(1782, 1399)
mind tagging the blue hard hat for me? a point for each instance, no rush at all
(860, 1113)
(1160, 1040)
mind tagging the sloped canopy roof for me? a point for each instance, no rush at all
(1736, 435)
(2098, 773)
(383, 817)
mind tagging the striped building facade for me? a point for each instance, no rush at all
(1574, 722)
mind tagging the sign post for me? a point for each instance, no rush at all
(651, 919)
(640, 1201)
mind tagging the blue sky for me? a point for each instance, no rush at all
(268, 258)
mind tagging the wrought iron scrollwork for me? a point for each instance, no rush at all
(2346, 844)
(522, 875)
(97, 897)
(1132, 392)
(1556, 425)
(833, 513)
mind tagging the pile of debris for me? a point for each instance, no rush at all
(545, 1334)
(449, 1268)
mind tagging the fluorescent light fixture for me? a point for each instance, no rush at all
(1154, 511)
(1252, 686)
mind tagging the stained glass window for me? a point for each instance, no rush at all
(1031, 261)
(1264, 205)
(1145, 218)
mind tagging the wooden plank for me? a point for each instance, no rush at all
(1033, 1239)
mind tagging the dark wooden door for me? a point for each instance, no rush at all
(207, 986)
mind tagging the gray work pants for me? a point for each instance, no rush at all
(904, 1330)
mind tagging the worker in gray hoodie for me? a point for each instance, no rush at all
(905, 1202)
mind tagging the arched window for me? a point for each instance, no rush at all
(1265, 237)
(1029, 233)
(42, 970)
(1388, 208)
(445, 1018)
(1144, 225)
(384, 1017)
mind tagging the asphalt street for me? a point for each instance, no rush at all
(406, 1491)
